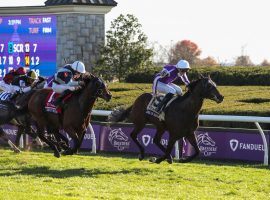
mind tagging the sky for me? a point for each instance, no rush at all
(223, 29)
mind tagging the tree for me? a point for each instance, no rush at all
(208, 61)
(265, 63)
(125, 50)
(243, 61)
(186, 50)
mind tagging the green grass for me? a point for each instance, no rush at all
(38, 175)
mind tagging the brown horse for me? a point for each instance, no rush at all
(181, 117)
(76, 115)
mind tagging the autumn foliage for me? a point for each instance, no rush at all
(186, 50)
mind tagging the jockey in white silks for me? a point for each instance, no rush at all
(65, 80)
(163, 81)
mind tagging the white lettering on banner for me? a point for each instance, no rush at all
(235, 144)
(206, 144)
(46, 20)
(147, 139)
(88, 136)
(118, 139)
(10, 131)
(14, 21)
(47, 30)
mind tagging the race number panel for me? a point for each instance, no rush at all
(28, 41)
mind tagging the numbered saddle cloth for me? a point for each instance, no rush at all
(5, 96)
(49, 105)
(152, 106)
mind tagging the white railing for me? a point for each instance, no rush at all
(228, 118)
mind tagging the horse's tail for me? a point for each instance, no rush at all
(119, 114)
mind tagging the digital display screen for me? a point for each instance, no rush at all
(28, 41)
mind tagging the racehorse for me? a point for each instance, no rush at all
(10, 114)
(75, 116)
(181, 117)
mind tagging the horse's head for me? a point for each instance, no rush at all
(207, 89)
(101, 89)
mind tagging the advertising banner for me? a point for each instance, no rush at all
(28, 41)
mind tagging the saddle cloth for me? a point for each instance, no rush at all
(5, 96)
(49, 105)
(152, 106)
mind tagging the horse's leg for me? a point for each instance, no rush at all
(192, 140)
(169, 148)
(40, 132)
(19, 134)
(137, 129)
(62, 140)
(157, 139)
(7, 140)
(76, 142)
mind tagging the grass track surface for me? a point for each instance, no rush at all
(38, 175)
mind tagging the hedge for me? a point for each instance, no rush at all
(221, 75)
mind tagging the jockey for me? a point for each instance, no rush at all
(66, 80)
(163, 81)
(24, 83)
(6, 83)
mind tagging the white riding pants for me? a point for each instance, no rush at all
(159, 87)
(61, 88)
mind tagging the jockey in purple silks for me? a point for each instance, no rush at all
(163, 81)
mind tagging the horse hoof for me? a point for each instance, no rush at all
(170, 161)
(153, 160)
(141, 157)
(17, 151)
(67, 153)
(57, 154)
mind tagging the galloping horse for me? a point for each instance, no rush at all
(9, 114)
(76, 114)
(181, 117)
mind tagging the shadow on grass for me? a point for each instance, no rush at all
(45, 171)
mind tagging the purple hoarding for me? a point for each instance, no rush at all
(28, 41)
(213, 143)
(117, 139)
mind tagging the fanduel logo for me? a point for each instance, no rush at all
(146, 139)
(235, 144)
(119, 139)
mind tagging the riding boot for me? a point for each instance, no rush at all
(164, 101)
(59, 100)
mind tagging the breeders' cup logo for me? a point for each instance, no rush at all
(118, 139)
(234, 144)
(206, 144)
(146, 139)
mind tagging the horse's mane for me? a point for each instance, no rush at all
(86, 78)
(191, 87)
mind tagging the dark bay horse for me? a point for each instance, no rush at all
(76, 115)
(11, 115)
(181, 117)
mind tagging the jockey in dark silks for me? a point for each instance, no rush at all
(20, 83)
(66, 80)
